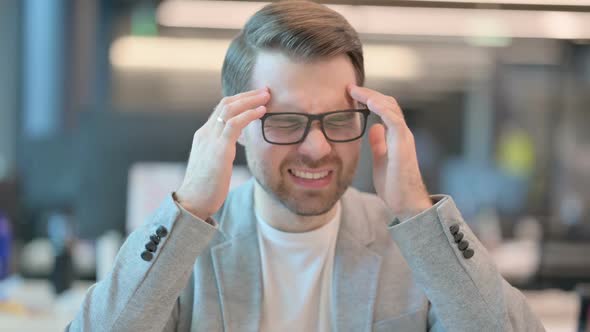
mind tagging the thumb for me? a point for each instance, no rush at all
(378, 144)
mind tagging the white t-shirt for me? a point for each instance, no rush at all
(297, 277)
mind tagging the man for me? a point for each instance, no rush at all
(296, 249)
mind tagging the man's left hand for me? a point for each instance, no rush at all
(396, 174)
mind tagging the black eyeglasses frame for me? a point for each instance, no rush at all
(319, 117)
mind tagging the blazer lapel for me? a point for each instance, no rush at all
(237, 269)
(356, 269)
(237, 266)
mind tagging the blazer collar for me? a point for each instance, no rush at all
(236, 262)
(238, 270)
(238, 218)
(356, 268)
(355, 218)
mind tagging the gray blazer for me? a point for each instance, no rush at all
(409, 276)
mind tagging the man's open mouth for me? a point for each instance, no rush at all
(309, 175)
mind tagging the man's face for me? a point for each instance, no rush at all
(284, 170)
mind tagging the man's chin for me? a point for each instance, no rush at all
(306, 211)
(309, 204)
(301, 201)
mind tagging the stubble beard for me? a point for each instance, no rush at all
(304, 202)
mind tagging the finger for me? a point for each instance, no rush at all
(378, 143)
(228, 111)
(243, 104)
(230, 99)
(362, 94)
(386, 107)
(246, 94)
(385, 112)
(234, 126)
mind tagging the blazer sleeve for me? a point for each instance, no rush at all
(465, 290)
(142, 290)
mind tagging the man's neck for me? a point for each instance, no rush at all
(279, 217)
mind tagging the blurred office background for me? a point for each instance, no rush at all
(99, 100)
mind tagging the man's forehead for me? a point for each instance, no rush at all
(304, 86)
(305, 104)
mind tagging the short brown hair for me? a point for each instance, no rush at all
(302, 30)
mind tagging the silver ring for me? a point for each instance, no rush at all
(220, 119)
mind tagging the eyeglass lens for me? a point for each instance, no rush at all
(290, 128)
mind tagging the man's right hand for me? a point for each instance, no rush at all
(208, 173)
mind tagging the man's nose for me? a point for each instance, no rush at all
(315, 145)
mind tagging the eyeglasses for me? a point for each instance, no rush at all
(292, 128)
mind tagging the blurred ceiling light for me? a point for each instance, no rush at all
(199, 54)
(392, 20)
(206, 14)
(521, 2)
(488, 32)
(391, 62)
(563, 25)
(160, 53)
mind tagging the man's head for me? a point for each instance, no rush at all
(302, 30)
(306, 54)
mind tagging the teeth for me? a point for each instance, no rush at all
(310, 176)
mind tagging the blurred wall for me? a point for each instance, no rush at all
(9, 73)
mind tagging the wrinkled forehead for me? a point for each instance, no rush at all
(304, 86)
(291, 101)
